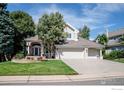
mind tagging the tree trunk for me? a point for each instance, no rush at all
(48, 50)
(6, 58)
(50, 55)
(54, 50)
(2, 58)
(51, 50)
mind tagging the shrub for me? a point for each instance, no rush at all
(19, 55)
(106, 56)
(121, 54)
(114, 54)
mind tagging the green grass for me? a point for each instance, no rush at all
(51, 67)
(121, 60)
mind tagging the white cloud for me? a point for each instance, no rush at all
(69, 16)
(37, 12)
(101, 10)
(109, 25)
(101, 13)
(94, 17)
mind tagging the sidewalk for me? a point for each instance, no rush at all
(56, 78)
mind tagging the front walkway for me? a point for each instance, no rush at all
(95, 67)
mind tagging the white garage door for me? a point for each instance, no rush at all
(93, 53)
(72, 53)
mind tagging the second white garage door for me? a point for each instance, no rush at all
(93, 53)
(74, 53)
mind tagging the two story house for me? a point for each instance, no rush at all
(114, 42)
(74, 48)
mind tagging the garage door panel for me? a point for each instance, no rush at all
(78, 53)
(72, 53)
(93, 53)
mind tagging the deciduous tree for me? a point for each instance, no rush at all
(51, 31)
(25, 28)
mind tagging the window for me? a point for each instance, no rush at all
(69, 35)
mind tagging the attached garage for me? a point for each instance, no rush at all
(71, 53)
(81, 49)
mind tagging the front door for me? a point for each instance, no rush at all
(36, 51)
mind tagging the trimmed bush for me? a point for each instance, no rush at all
(114, 54)
(19, 55)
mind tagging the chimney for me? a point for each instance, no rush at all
(107, 32)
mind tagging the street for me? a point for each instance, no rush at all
(115, 81)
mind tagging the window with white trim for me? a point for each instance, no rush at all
(69, 35)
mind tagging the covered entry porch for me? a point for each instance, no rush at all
(34, 46)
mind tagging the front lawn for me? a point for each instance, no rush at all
(51, 67)
(121, 60)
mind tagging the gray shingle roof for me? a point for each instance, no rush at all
(33, 39)
(114, 43)
(116, 33)
(81, 43)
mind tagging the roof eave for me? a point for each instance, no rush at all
(62, 46)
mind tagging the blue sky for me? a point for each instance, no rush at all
(97, 17)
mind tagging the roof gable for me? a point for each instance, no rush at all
(116, 33)
(71, 27)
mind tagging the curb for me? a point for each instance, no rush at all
(48, 79)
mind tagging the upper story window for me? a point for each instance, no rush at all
(69, 35)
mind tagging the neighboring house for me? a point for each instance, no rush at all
(74, 48)
(114, 42)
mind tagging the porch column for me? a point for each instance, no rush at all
(28, 48)
(42, 50)
(101, 57)
(86, 53)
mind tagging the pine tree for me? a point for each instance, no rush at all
(84, 33)
(102, 39)
(6, 34)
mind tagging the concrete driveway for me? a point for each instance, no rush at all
(95, 67)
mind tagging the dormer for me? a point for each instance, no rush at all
(72, 33)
